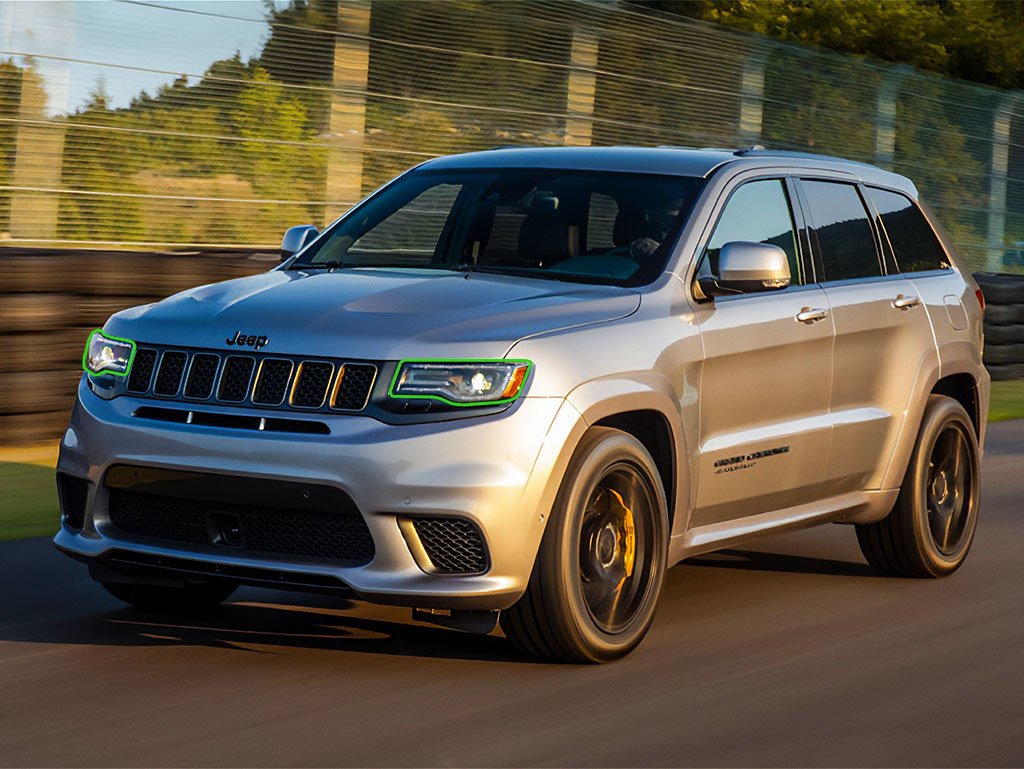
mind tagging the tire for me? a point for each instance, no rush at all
(1002, 373)
(1002, 315)
(999, 288)
(1002, 354)
(191, 597)
(609, 521)
(929, 531)
(1004, 334)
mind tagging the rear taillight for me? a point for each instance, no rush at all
(981, 298)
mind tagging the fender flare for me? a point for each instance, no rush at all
(599, 399)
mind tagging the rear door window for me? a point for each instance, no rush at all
(845, 239)
(910, 236)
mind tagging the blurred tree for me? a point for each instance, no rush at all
(280, 165)
(97, 159)
(300, 51)
(979, 40)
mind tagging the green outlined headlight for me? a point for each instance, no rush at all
(461, 383)
(107, 354)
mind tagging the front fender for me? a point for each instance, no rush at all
(600, 399)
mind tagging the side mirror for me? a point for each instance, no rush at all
(296, 239)
(747, 267)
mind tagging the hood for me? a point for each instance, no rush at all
(374, 314)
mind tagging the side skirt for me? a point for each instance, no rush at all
(853, 507)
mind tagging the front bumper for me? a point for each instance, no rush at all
(498, 471)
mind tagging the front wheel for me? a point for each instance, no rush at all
(598, 574)
(930, 530)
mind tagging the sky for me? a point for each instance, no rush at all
(77, 43)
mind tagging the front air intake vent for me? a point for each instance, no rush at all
(201, 375)
(272, 381)
(234, 380)
(453, 545)
(142, 370)
(72, 493)
(311, 383)
(168, 378)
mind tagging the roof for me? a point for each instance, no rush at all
(679, 161)
(656, 160)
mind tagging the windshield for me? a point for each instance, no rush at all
(598, 227)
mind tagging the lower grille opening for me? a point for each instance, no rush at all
(453, 545)
(338, 536)
(72, 493)
(249, 575)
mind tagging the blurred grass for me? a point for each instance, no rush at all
(1007, 400)
(28, 497)
(28, 501)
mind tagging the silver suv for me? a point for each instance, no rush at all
(527, 381)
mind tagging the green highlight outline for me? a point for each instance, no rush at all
(85, 353)
(401, 364)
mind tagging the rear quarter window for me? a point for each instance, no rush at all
(913, 242)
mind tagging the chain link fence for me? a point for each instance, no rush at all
(340, 96)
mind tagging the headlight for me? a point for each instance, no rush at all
(107, 354)
(461, 383)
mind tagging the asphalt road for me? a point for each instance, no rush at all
(788, 653)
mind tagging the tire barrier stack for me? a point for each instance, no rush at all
(51, 299)
(1004, 324)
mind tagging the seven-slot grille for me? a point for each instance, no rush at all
(264, 381)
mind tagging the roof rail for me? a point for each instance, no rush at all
(753, 148)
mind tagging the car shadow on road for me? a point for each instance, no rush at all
(778, 562)
(263, 622)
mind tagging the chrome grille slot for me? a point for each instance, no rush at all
(272, 381)
(142, 370)
(311, 382)
(201, 375)
(168, 378)
(352, 390)
(235, 378)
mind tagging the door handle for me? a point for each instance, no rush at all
(811, 314)
(905, 302)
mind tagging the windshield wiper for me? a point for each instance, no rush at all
(329, 265)
(526, 272)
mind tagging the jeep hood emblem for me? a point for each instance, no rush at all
(251, 340)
